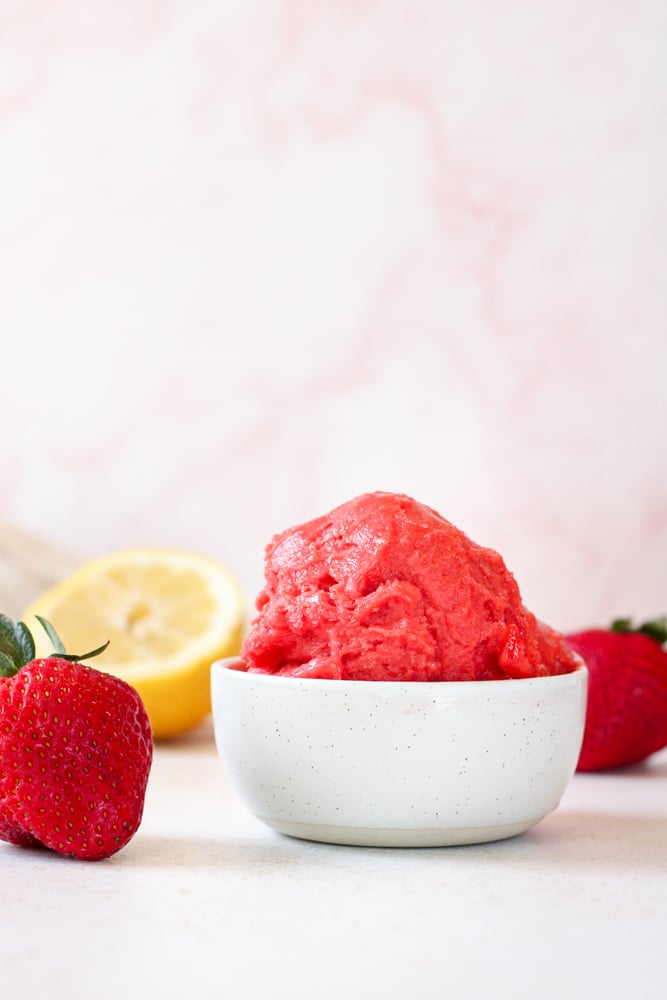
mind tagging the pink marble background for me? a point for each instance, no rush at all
(258, 257)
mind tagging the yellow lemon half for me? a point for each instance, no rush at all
(168, 615)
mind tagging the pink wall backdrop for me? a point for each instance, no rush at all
(258, 257)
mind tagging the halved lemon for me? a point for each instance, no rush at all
(167, 614)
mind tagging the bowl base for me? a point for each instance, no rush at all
(359, 836)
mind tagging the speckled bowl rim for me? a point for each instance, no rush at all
(234, 664)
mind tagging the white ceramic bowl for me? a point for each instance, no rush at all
(398, 765)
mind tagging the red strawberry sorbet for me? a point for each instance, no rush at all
(385, 589)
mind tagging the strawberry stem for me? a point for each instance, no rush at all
(656, 628)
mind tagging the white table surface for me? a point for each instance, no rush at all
(207, 902)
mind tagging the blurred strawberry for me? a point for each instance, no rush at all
(626, 715)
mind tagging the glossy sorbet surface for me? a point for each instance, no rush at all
(383, 588)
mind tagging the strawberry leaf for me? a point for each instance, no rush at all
(24, 641)
(7, 636)
(7, 666)
(59, 646)
(16, 642)
(8, 652)
(74, 658)
(655, 629)
(54, 638)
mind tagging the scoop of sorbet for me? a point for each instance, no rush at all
(385, 589)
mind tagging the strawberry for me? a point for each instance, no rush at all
(75, 750)
(626, 714)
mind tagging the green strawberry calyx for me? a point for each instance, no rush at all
(656, 628)
(17, 646)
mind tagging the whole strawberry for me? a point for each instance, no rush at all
(626, 714)
(75, 750)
